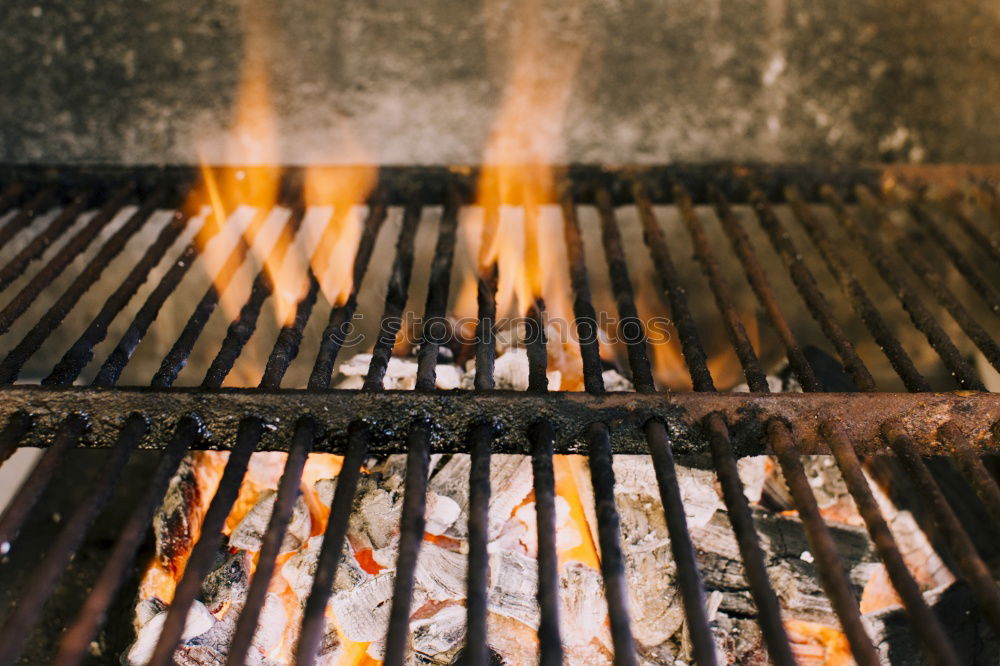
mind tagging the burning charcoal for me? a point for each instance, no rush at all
(400, 374)
(249, 534)
(649, 567)
(375, 518)
(613, 381)
(920, 557)
(199, 620)
(440, 636)
(511, 480)
(228, 583)
(514, 581)
(330, 650)
(270, 625)
(634, 475)
(266, 468)
(955, 606)
(567, 534)
(325, 488)
(440, 574)
(583, 610)
(440, 514)
(178, 520)
(299, 570)
(451, 480)
(511, 538)
(198, 655)
(510, 372)
(513, 641)
(363, 611)
(147, 609)
(448, 377)
(753, 472)
(376, 649)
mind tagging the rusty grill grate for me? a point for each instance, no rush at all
(948, 292)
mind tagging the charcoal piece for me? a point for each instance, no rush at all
(440, 575)
(439, 636)
(582, 612)
(199, 621)
(513, 583)
(228, 583)
(198, 655)
(249, 533)
(363, 611)
(956, 608)
(299, 570)
(178, 520)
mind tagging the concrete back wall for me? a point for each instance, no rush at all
(420, 80)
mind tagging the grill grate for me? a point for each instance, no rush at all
(61, 416)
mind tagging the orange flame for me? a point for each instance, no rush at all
(522, 228)
(325, 243)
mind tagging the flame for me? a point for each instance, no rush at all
(819, 644)
(253, 143)
(522, 226)
(566, 487)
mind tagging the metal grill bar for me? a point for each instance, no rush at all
(980, 239)
(762, 288)
(829, 566)
(723, 295)
(692, 590)
(251, 429)
(77, 639)
(16, 307)
(972, 275)
(14, 268)
(41, 202)
(935, 282)
(411, 528)
(284, 351)
(42, 583)
(11, 366)
(851, 469)
(177, 357)
(969, 562)
(336, 528)
(921, 317)
(768, 608)
(929, 630)
(80, 354)
(476, 651)
(849, 284)
(602, 476)
(542, 438)
(973, 468)
(594, 424)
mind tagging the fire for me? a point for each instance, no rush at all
(328, 238)
(522, 233)
(819, 644)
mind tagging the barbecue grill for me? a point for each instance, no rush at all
(925, 234)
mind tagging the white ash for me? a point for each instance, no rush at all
(440, 575)
(363, 611)
(199, 620)
(440, 634)
(249, 534)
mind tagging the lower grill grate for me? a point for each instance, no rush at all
(947, 295)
